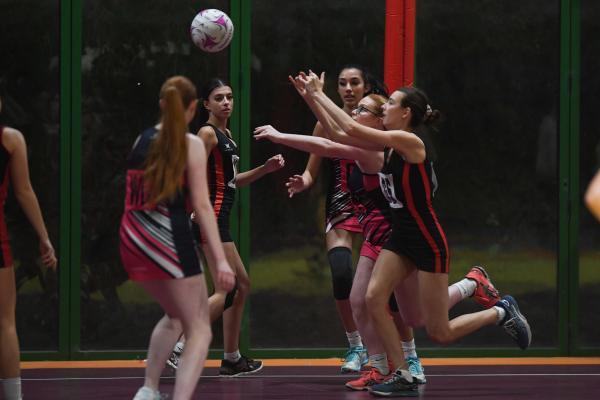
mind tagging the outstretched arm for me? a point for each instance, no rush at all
(316, 145)
(15, 144)
(592, 196)
(221, 272)
(406, 143)
(272, 164)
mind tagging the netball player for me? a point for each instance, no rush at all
(417, 242)
(341, 225)
(166, 174)
(223, 179)
(14, 168)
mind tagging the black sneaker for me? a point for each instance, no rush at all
(515, 323)
(173, 361)
(244, 366)
(396, 386)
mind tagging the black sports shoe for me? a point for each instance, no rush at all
(244, 366)
(396, 386)
(515, 323)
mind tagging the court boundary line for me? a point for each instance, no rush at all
(328, 362)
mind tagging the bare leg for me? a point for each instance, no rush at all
(185, 301)
(369, 335)
(389, 271)
(435, 310)
(9, 342)
(232, 317)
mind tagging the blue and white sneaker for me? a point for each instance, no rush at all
(515, 323)
(416, 369)
(354, 360)
(396, 386)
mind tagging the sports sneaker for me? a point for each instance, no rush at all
(366, 380)
(485, 292)
(416, 369)
(145, 393)
(244, 366)
(354, 359)
(173, 361)
(396, 386)
(514, 322)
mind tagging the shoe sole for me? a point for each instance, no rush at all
(397, 394)
(171, 365)
(356, 388)
(243, 373)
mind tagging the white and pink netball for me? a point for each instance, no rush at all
(211, 30)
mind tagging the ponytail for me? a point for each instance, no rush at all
(167, 157)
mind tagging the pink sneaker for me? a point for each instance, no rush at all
(485, 292)
(367, 379)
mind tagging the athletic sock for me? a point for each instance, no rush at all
(501, 314)
(466, 287)
(12, 388)
(233, 357)
(380, 362)
(354, 339)
(410, 349)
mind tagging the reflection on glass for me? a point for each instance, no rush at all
(29, 87)
(129, 49)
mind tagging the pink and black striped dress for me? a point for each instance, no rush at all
(156, 241)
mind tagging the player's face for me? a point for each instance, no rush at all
(220, 102)
(351, 87)
(394, 115)
(368, 113)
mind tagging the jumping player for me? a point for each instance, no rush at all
(14, 168)
(166, 178)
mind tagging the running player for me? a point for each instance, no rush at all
(374, 216)
(341, 225)
(592, 196)
(14, 168)
(417, 242)
(166, 177)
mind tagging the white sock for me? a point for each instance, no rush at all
(146, 393)
(466, 287)
(178, 347)
(501, 314)
(354, 339)
(410, 349)
(405, 374)
(12, 388)
(233, 357)
(380, 362)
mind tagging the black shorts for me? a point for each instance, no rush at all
(223, 227)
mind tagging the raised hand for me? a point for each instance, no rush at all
(274, 163)
(266, 132)
(296, 184)
(312, 83)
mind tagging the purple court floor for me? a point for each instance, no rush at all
(527, 382)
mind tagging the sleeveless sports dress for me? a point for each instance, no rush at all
(416, 231)
(156, 240)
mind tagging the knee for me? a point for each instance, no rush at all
(359, 306)
(440, 335)
(242, 285)
(340, 261)
(376, 303)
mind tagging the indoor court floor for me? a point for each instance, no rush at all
(475, 378)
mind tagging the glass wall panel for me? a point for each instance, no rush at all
(589, 234)
(129, 49)
(30, 89)
(292, 300)
(493, 71)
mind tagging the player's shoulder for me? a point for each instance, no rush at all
(11, 138)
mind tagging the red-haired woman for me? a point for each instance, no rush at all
(166, 178)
